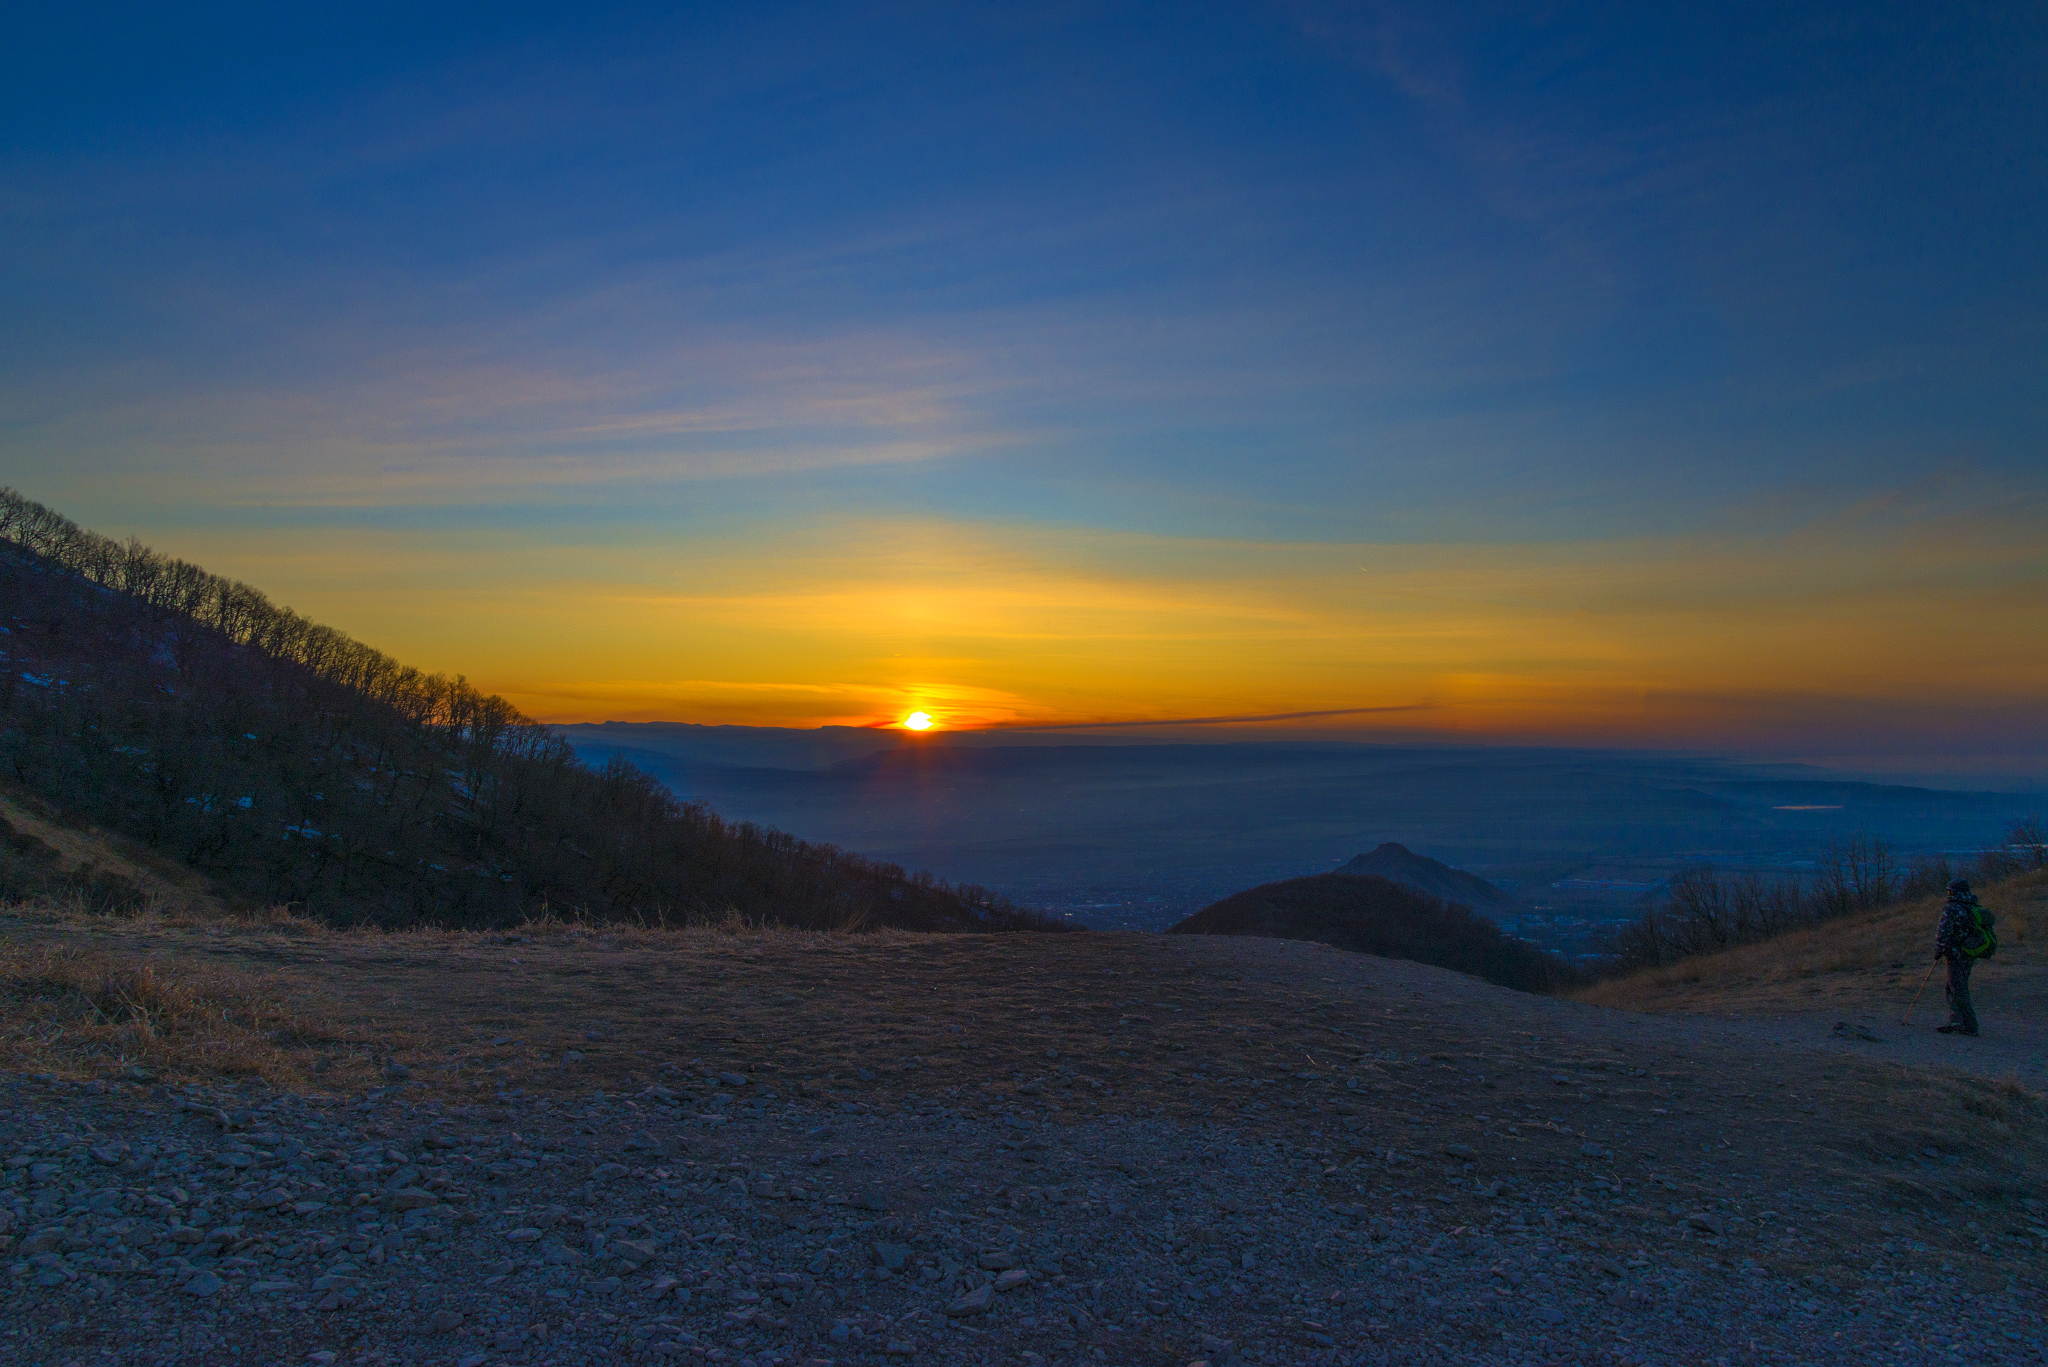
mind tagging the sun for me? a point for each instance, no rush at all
(918, 721)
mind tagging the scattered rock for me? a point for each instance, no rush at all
(205, 1284)
(442, 1321)
(409, 1198)
(973, 1303)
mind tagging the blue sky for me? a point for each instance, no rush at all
(597, 289)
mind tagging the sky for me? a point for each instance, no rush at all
(1631, 375)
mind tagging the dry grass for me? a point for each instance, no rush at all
(166, 885)
(1832, 964)
(76, 1011)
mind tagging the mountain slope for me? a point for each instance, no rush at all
(1375, 915)
(1870, 960)
(291, 764)
(1398, 864)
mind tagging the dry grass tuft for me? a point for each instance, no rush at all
(81, 1012)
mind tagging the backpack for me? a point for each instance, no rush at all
(1979, 941)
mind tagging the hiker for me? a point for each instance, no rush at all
(1963, 937)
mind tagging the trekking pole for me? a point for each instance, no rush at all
(1916, 996)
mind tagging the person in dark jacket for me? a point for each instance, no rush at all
(1952, 943)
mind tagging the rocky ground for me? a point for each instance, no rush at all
(1473, 1176)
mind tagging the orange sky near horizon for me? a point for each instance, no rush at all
(1706, 640)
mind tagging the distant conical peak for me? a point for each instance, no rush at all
(1391, 859)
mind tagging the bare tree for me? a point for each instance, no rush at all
(1700, 911)
(1642, 943)
(1703, 910)
(1856, 873)
(1928, 877)
(2027, 840)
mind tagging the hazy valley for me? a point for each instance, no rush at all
(1139, 835)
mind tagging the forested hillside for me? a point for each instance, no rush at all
(294, 764)
(1374, 915)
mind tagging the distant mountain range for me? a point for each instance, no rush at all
(1399, 864)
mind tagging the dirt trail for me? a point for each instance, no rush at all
(2012, 1004)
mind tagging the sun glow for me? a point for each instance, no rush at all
(918, 721)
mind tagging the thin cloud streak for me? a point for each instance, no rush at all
(1203, 721)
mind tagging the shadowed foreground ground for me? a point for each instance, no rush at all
(1182, 1142)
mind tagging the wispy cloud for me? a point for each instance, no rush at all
(1241, 719)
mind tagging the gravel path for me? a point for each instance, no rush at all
(2007, 1051)
(712, 1219)
(2012, 1001)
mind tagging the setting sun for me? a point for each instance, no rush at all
(918, 721)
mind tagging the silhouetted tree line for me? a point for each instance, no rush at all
(1375, 915)
(1704, 909)
(296, 765)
